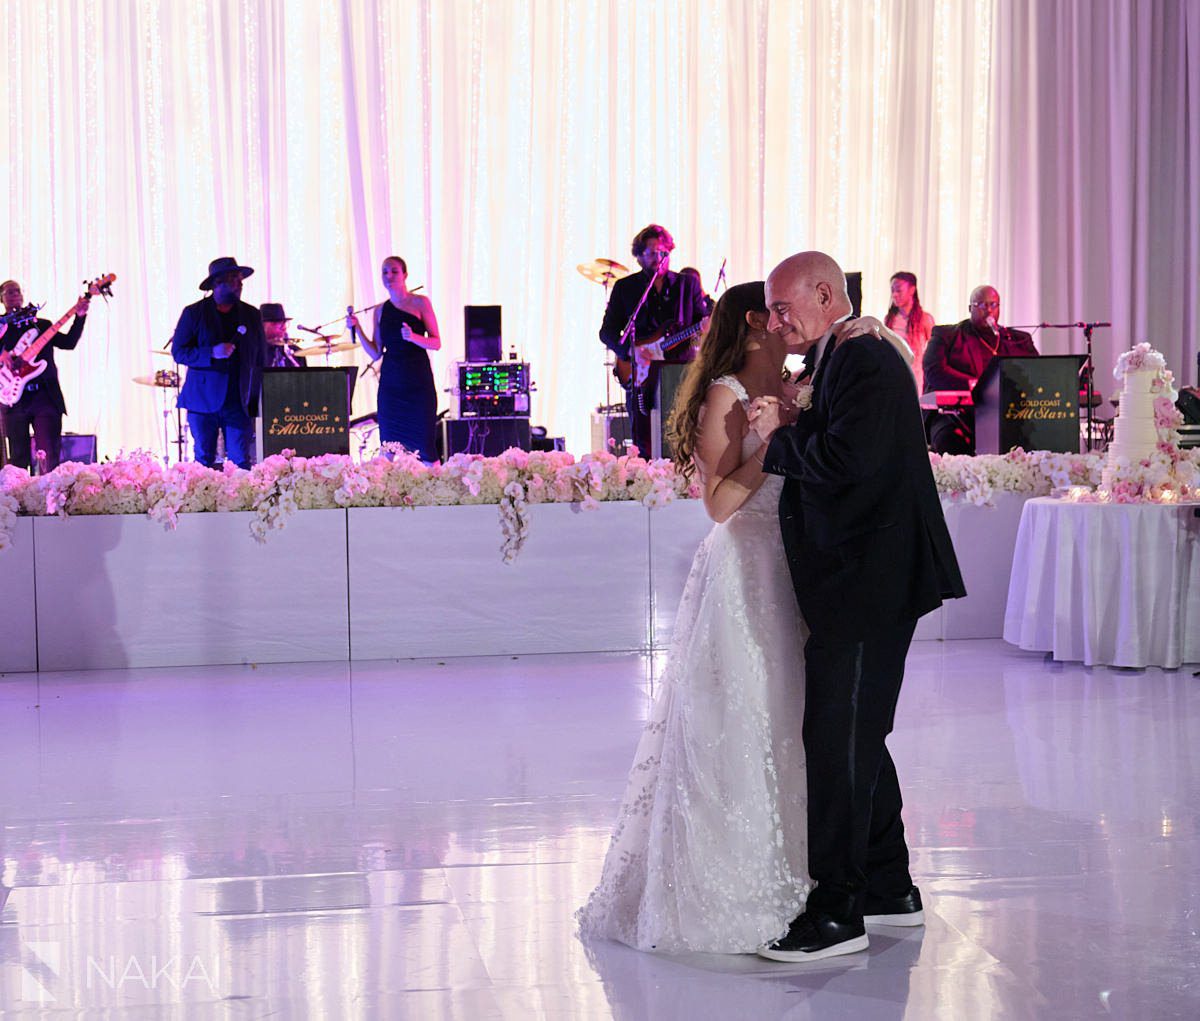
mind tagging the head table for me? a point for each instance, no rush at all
(1107, 583)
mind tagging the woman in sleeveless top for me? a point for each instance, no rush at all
(405, 331)
(908, 319)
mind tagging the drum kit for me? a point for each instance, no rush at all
(606, 272)
(602, 271)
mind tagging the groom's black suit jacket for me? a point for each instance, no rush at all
(862, 524)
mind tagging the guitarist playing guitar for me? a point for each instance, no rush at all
(669, 310)
(41, 407)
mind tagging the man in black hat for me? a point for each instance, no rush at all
(281, 349)
(220, 339)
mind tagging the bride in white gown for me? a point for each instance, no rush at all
(709, 850)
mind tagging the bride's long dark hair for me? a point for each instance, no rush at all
(723, 353)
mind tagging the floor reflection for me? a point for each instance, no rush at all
(411, 840)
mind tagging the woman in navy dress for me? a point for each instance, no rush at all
(405, 331)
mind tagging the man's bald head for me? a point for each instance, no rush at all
(806, 295)
(985, 305)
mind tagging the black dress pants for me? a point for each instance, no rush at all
(855, 833)
(39, 415)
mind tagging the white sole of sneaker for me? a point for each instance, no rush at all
(911, 918)
(850, 946)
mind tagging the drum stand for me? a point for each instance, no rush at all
(180, 441)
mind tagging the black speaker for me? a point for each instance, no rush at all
(670, 377)
(482, 330)
(487, 436)
(854, 291)
(78, 447)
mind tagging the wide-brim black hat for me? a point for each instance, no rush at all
(272, 312)
(221, 266)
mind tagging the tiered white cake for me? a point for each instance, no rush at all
(1136, 434)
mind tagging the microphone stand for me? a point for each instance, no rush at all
(1088, 364)
(628, 331)
(342, 317)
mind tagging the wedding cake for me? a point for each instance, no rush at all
(1141, 426)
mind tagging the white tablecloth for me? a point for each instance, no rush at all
(1113, 584)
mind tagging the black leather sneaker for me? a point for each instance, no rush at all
(906, 910)
(816, 937)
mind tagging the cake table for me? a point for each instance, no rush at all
(1107, 583)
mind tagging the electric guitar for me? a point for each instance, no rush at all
(20, 365)
(634, 374)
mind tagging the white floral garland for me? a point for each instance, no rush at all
(284, 484)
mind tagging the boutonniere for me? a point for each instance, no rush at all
(804, 397)
(242, 330)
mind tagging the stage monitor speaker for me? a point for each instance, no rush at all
(306, 410)
(854, 291)
(79, 447)
(670, 378)
(611, 431)
(487, 436)
(482, 331)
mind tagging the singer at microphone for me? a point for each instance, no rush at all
(956, 357)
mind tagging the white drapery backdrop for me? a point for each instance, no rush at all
(1049, 148)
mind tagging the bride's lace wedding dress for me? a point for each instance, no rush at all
(709, 852)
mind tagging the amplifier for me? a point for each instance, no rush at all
(487, 436)
(610, 430)
(79, 447)
(493, 389)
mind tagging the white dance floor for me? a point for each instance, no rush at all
(410, 840)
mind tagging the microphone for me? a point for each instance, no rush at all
(720, 274)
(350, 312)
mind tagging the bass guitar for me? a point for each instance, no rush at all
(634, 374)
(19, 316)
(20, 366)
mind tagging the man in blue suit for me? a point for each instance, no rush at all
(220, 339)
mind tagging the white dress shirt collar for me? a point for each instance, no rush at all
(823, 343)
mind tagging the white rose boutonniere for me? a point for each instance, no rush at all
(804, 397)
(242, 330)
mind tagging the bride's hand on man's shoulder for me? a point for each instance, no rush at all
(870, 326)
(861, 327)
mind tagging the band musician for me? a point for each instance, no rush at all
(281, 349)
(220, 340)
(673, 303)
(957, 356)
(41, 407)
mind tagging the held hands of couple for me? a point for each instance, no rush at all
(767, 414)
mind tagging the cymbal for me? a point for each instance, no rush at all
(602, 271)
(165, 378)
(317, 350)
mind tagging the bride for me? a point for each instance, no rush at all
(709, 850)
